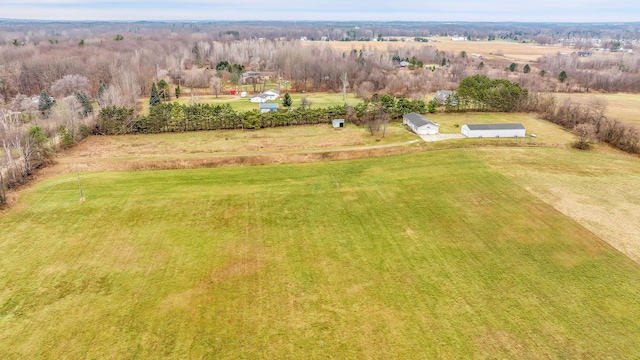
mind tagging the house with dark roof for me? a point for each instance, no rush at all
(442, 96)
(493, 130)
(420, 124)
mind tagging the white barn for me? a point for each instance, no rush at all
(272, 94)
(493, 130)
(260, 98)
(420, 124)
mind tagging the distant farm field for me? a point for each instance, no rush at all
(427, 255)
(491, 49)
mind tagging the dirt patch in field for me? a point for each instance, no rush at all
(494, 343)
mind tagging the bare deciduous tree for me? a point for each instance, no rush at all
(585, 133)
(216, 85)
(344, 80)
(69, 84)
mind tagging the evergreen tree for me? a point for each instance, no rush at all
(86, 104)
(388, 102)
(178, 92)
(45, 103)
(513, 67)
(432, 106)
(155, 98)
(286, 101)
(163, 90)
(562, 77)
(102, 89)
(526, 69)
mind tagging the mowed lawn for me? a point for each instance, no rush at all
(428, 255)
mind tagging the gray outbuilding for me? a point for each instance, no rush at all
(493, 130)
(420, 124)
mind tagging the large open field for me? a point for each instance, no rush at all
(442, 254)
(490, 49)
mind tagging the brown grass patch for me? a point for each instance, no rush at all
(408, 232)
(497, 344)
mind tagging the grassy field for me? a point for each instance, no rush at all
(428, 255)
(317, 100)
(624, 107)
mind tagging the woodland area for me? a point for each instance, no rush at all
(54, 74)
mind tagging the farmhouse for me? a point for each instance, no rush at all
(493, 130)
(420, 124)
(265, 108)
(272, 94)
(260, 98)
(442, 96)
(266, 96)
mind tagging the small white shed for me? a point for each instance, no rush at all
(420, 124)
(493, 130)
(337, 123)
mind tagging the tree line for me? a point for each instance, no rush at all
(588, 122)
(174, 117)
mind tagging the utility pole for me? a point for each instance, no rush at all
(80, 186)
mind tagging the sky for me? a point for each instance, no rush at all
(335, 10)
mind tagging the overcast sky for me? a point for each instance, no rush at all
(342, 10)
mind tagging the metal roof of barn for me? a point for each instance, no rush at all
(418, 120)
(495, 126)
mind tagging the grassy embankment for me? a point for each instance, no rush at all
(418, 256)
